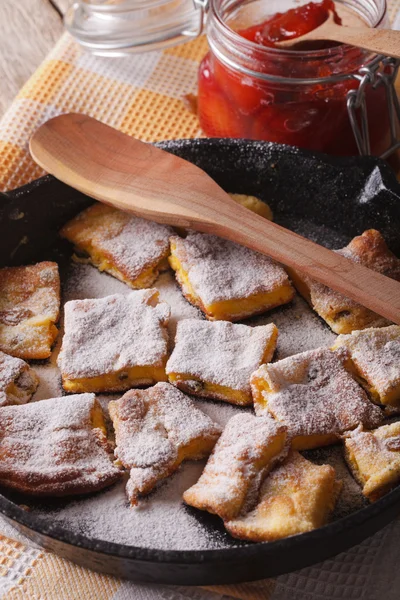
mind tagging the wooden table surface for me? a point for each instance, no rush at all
(28, 30)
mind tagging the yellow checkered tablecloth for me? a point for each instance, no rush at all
(143, 95)
(140, 95)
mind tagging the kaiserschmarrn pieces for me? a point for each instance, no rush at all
(226, 281)
(373, 357)
(18, 382)
(374, 458)
(215, 359)
(114, 343)
(55, 447)
(156, 430)
(29, 309)
(254, 204)
(246, 451)
(131, 249)
(314, 396)
(340, 313)
(296, 497)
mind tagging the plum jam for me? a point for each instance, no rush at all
(250, 88)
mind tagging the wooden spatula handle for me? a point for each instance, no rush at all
(139, 178)
(330, 268)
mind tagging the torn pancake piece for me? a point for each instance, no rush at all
(114, 343)
(156, 430)
(132, 249)
(297, 496)
(314, 396)
(215, 359)
(372, 356)
(342, 314)
(246, 451)
(18, 382)
(29, 309)
(374, 458)
(55, 447)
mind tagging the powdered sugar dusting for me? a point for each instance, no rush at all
(162, 520)
(113, 333)
(50, 447)
(300, 329)
(219, 352)
(222, 270)
(129, 244)
(180, 307)
(313, 394)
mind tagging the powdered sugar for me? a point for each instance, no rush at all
(222, 270)
(51, 448)
(180, 307)
(18, 372)
(376, 354)
(162, 520)
(129, 244)
(113, 333)
(300, 329)
(313, 394)
(219, 352)
(155, 430)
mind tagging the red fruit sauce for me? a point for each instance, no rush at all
(314, 116)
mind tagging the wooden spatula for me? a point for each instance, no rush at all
(146, 181)
(379, 41)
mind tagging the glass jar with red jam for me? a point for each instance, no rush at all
(250, 88)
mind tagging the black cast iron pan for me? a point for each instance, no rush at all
(327, 199)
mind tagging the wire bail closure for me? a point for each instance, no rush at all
(202, 7)
(382, 71)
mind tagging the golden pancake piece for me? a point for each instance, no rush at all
(18, 382)
(156, 430)
(296, 497)
(372, 356)
(340, 313)
(246, 451)
(314, 396)
(29, 309)
(132, 249)
(226, 281)
(55, 447)
(254, 204)
(374, 459)
(215, 359)
(114, 343)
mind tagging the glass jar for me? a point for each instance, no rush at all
(307, 98)
(121, 27)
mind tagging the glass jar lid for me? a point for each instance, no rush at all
(118, 27)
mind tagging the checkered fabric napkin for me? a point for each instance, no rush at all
(143, 95)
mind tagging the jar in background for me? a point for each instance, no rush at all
(294, 97)
(122, 27)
